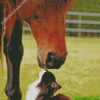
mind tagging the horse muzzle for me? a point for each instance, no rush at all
(53, 61)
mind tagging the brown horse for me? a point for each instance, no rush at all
(47, 22)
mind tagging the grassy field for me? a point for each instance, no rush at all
(79, 76)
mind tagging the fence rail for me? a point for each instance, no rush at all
(83, 30)
(83, 14)
(83, 22)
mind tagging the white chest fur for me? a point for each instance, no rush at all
(33, 91)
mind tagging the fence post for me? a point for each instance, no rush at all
(79, 25)
(71, 25)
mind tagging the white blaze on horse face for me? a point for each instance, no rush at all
(33, 90)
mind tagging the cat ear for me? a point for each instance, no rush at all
(55, 85)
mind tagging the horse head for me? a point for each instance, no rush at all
(47, 22)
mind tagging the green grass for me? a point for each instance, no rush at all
(79, 75)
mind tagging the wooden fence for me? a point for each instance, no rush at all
(79, 21)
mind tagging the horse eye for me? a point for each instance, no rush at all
(35, 16)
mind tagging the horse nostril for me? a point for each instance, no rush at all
(50, 63)
(50, 58)
(54, 61)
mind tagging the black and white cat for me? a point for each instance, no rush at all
(44, 88)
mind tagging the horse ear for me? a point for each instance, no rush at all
(55, 85)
